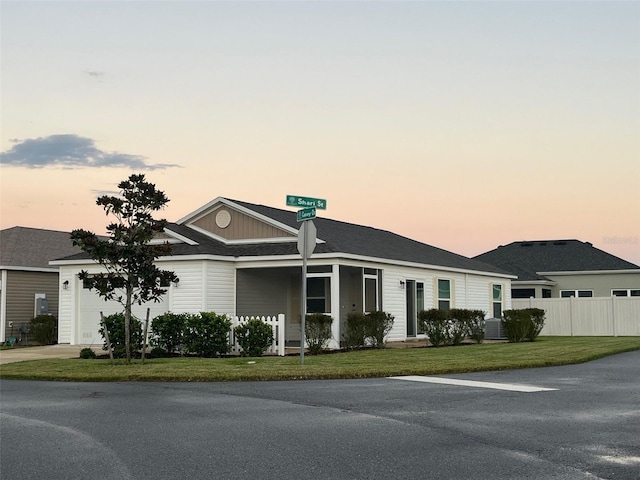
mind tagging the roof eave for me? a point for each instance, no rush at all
(592, 272)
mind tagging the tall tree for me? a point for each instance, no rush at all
(131, 274)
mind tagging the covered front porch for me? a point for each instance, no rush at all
(335, 290)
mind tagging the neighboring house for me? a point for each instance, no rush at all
(28, 284)
(564, 268)
(238, 258)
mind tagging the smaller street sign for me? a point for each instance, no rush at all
(306, 214)
(306, 202)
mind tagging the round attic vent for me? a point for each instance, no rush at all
(223, 219)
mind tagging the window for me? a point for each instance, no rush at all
(497, 300)
(419, 302)
(628, 292)
(370, 289)
(444, 294)
(546, 293)
(415, 304)
(523, 292)
(576, 293)
(318, 295)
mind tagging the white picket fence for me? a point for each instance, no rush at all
(597, 316)
(277, 324)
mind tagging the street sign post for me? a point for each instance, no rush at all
(306, 214)
(306, 202)
(306, 245)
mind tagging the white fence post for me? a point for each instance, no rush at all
(280, 336)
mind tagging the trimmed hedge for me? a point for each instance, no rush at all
(525, 324)
(168, 331)
(317, 331)
(451, 327)
(355, 334)
(369, 329)
(254, 337)
(207, 334)
(377, 325)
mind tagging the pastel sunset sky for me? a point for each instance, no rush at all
(464, 125)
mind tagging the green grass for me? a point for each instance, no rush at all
(546, 351)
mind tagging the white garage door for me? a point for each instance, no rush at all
(90, 305)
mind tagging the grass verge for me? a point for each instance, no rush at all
(546, 351)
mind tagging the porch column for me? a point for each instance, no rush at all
(335, 306)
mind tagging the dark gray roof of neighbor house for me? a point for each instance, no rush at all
(33, 247)
(528, 259)
(343, 237)
(339, 237)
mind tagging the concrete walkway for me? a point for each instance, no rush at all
(21, 354)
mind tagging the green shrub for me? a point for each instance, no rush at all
(516, 324)
(167, 331)
(458, 328)
(355, 334)
(115, 328)
(317, 330)
(254, 337)
(207, 334)
(537, 316)
(87, 353)
(476, 325)
(378, 325)
(435, 324)
(43, 328)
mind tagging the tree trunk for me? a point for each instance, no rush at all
(127, 325)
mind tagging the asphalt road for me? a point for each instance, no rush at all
(588, 428)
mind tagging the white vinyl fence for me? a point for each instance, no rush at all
(277, 325)
(597, 316)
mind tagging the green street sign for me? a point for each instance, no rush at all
(306, 214)
(306, 202)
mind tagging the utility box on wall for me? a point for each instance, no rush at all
(41, 305)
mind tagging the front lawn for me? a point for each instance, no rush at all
(545, 351)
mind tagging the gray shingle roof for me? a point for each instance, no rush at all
(528, 259)
(339, 237)
(33, 247)
(343, 237)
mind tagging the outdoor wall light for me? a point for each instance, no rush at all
(175, 284)
(401, 283)
(65, 285)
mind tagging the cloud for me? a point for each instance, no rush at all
(71, 151)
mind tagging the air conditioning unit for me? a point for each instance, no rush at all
(493, 329)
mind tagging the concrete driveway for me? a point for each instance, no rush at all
(22, 354)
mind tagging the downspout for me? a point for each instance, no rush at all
(3, 306)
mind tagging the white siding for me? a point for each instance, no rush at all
(66, 305)
(221, 288)
(468, 291)
(188, 296)
(394, 300)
